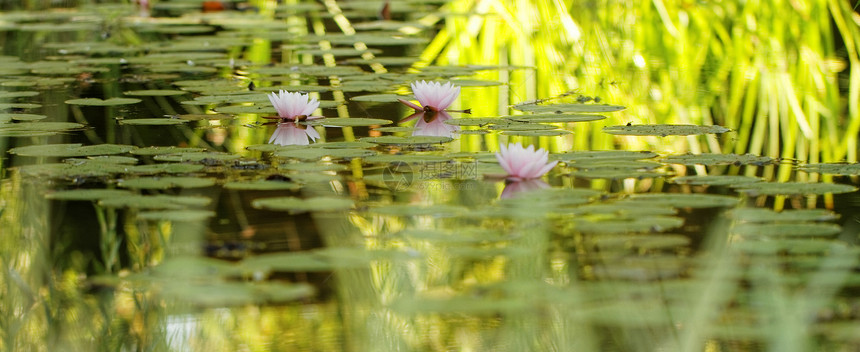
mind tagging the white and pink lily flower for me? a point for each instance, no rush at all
(524, 163)
(293, 107)
(435, 98)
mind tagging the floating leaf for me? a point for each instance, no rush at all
(382, 98)
(663, 130)
(101, 102)
(167, 168)
(165, 150)
(70, 150)
(166, 182)
(796, 229)
(684, 200)
(177, 215)
(299, 205)
(793, 188)
(347, 122)
(203, 157)
(640, 242)
(155, 202)
(718, 159)
(602, 155)
(21, 117)
(155, 92)
(563, 108)
(779, 245)
(320, 153)
(615, 225)
(552, 133)
(262, 185)
(89, 194)
(767, 215)
(407, 140)
(407, 158)
(715, 180)
(555, 118)
(152, 122)
(833, 169)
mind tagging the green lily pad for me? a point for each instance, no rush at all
(407, 158)
(576, 156)
(382, 98)
(21, 117)
(347, 122)
(684, 200)
(519, 126)
(166, 168)
(778, 245)
(664, 130)
(165, 150)
(177, 215)
(555, 118)
(70, 150)
(615, 225)
(463, 305)
(166, 182)
(155, 92)
(718, 159)
(9, 95)
(411, 140)
(640, 242)
(320, 153)
(793, 188)
(103, 102)
(155, 202)
(197, 157)
(89, 194)
(299, 205)
(152, 122)
(795, 229)
(261, 185)
(312, 167)
(833, 169)
(10, 129)
(715, 180)
(199, 117)
(563, 108)
(546, 133)
(767, 215)
(287, 262)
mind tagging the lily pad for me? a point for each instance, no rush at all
(152, 122)
(261, 185)
(555, 118)
(797, 229)
(715, 180)
(833, 168)
(70, 150)
(155, 92)
(299, 205)
(103, 102)
(684, 200)
(382, 98)
(155, 202)
(438, 210)
(166, 182)
(411, 140)
(664, 130)
(88, 194)
(177, 215)
(347, 122)
(545, 133)
(793, 188)
(165, 150)
(718, 159)
(602, 155)
(320, 153)
(767, 215)
(563, 108)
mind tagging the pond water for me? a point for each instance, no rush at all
(144, 207)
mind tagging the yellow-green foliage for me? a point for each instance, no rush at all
(779, 72)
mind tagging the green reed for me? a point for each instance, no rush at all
(773, 71)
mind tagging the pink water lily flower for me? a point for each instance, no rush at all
(435, 98)
(293, 106)
(524, 163)
(288, 133)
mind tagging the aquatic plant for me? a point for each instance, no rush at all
(293, 106)
(524, 163)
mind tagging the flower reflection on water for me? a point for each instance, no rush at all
(293, 107)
